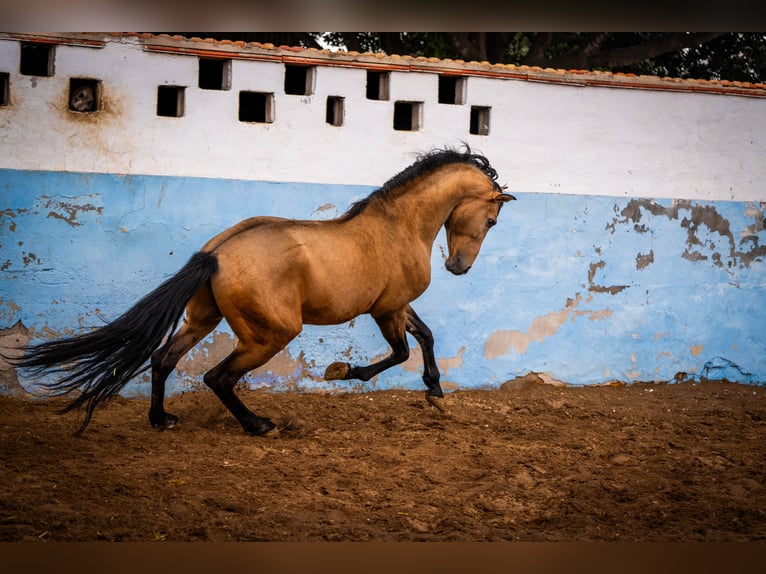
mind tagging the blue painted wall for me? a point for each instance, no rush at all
(582, 289)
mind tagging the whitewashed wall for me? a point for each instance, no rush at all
(635, 251)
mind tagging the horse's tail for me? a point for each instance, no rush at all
(101, 362)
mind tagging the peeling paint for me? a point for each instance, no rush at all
(500, 342)
(207, 354)
(696, 350)
(112, 258)
(612, 289)
(12, 341)
(10, 215)
(9, 310)
(447, 363)
(282, 367)
(549, 379)
(694, 217)
(68, 211)
(643, 261)
(325, 207)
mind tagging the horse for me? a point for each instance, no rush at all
(268, 276)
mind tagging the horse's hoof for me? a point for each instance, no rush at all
(337, 371)
(261, 427)
(438, 402)
(166, 421)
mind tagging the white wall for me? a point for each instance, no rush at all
(543, 137)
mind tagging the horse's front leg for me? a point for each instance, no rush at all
(418, 329)
(392, 327)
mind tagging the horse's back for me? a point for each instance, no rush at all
(318, 270)
(237, 229)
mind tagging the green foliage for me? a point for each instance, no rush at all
(736, 56)
(732, 56)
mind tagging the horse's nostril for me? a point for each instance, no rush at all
(455, 266)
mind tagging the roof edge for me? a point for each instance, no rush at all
(209, 47)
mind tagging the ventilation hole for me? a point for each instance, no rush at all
(334, 115)
(214, 74)
(299, 80)
(408, 116)
(36, 59)
(170, 101)
(5, 88)
(84, 95)
(479, 120)
(377, 85)
(451, 90)
(256, 107)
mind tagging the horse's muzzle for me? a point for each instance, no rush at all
(456, 266)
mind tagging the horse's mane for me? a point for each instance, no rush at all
(425, 164)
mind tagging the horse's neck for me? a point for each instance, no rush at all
(425, 208)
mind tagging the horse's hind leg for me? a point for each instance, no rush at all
(202, 315)
(224, 376)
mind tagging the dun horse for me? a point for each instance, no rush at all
(268, 276)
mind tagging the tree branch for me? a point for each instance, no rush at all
(351, 41)
(536, 54)
(586, 57)
(467, 48)
(391, 43)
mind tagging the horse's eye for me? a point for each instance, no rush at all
(491, 222)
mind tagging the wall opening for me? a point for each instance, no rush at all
(36, 59)
(170, 101)
(84, 95)
(377, 85)
(299, 80)
(257, 107)
(214, 74)
(408, 116)
(335, 110)
(5, 88)
(452, 90)
(480, 120)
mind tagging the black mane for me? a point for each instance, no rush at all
(425, 164)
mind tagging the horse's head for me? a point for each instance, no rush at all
(468, 225)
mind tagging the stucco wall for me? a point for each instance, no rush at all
(634, 251)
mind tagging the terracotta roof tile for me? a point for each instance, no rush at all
(267, 51)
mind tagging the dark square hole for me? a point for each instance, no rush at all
(451, 89)
(479, 120)
(170, 101)
(334, 113)
(5, 88)
(299, 80)
(36, 59)
(214, 74)
(256, 107)
(84, 95)
(407, 116)
(377, 85)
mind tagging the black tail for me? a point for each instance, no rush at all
(101, 362)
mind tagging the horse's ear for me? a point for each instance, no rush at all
(505, 197)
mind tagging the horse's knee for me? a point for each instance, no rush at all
(213, 382)
(401, 354)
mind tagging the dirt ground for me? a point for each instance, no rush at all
(531, 462)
